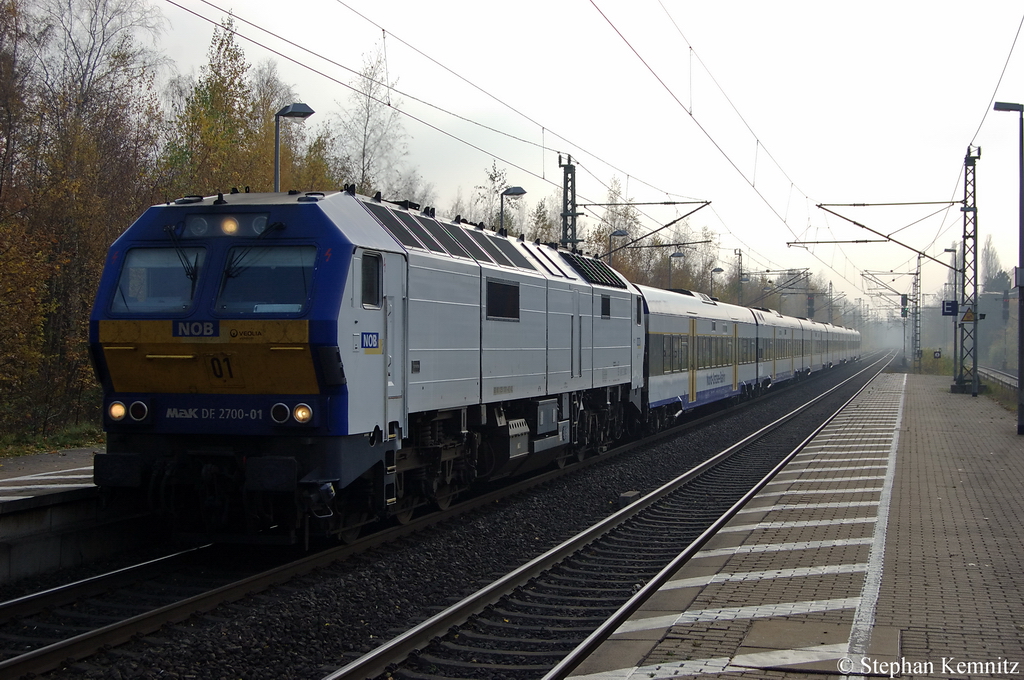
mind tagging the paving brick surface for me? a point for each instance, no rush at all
(954, 568)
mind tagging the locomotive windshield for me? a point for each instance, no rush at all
(266, 280)
(158, 280)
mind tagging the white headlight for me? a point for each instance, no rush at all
(117, 411)
(302, 413)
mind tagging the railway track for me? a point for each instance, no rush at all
(43, 631)
(552, 611)
(1002, 377)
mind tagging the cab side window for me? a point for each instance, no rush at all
(372, 278)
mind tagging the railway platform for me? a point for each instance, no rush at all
(42, 474)
(892, 546)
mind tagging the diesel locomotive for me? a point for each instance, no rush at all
(281, 365)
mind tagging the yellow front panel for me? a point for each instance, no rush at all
(245, 357)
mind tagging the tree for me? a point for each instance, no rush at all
(543, 224)
(619, 215)
(91, 143)
(371, 134)
(995, 279)
(487, 197)
(210, 135)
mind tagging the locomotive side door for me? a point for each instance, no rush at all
(395, 342)
(365, 359)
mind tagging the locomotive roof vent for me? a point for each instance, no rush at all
(192, 198)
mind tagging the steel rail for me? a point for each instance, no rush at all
(1002, 377)
(87, 587)
(376, 662)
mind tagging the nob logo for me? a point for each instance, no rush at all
(196, 329)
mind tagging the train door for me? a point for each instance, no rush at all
(691, 359)
(576, 331)
(395, 298)
(366, 364)
(734, 354)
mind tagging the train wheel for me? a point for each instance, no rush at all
(352, 526)
(444, 496)
(404, 510)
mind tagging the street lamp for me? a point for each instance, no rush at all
(617, 232)
(296, 110)
(1019, 108)
(676, 254)
(716, 270)
(513, 192)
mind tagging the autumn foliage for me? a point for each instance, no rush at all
(88, 139)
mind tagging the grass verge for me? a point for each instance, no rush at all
(71, 438)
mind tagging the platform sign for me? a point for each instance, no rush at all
(950, 308)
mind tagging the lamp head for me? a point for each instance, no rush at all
(1007, 106)
(296, 110)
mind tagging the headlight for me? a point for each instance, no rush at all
(302, 413)
(279, 413)
(229, 226)
(196, 225)
(138, 411)
(117, 411)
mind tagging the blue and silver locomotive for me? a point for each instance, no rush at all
(286, 364)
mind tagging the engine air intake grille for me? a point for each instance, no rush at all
(593, 271)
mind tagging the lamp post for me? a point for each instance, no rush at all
(676, 254)
(617, 232)
(716, 270)
(513, 192)
(296, 110)
(1019, 108)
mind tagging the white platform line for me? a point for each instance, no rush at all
(741, 663)
(809, 506)
(842, 468)
(733, 613)
(798, 524)
(50, 475)
(828, 480)
(698, 581)
(864, 617)
(45, 486)
(810, 492)
(782, 547)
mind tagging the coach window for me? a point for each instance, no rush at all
(656, 353)
(606, 307)
(371, 296)
(502, 300)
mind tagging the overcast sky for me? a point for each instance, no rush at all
(764, 109)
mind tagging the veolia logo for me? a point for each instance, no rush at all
(196, 329)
